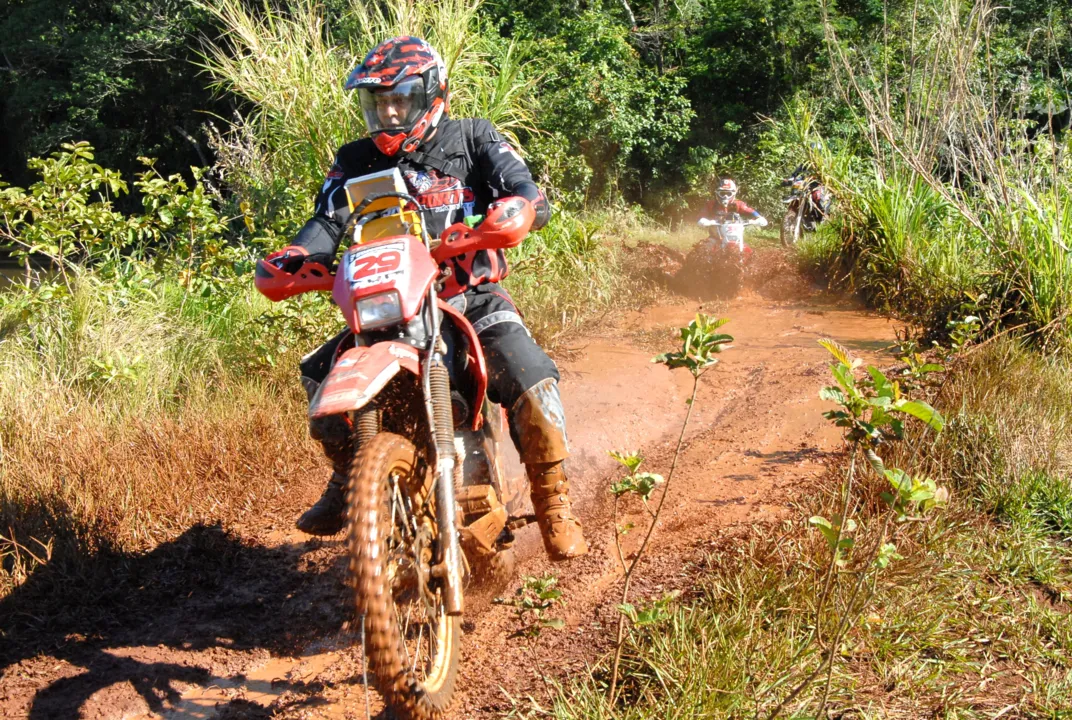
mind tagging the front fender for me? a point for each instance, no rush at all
(359, 375)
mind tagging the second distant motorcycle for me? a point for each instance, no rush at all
(806, 206)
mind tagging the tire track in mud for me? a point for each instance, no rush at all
(226, 647)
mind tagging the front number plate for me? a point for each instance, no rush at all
(375, 265)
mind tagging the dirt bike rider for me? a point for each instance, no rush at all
(805, 171)
(802, 170)
(724, 205)
(456, 169)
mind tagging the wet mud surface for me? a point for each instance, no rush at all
(246, 621)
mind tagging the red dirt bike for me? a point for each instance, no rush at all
(429, 506)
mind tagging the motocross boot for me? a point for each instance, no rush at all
(328, 515)
(538, 427)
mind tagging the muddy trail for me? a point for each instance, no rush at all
(245, 621)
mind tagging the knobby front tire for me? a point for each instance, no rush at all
(790, 230)
(413, 645)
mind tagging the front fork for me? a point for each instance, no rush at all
(450, 561)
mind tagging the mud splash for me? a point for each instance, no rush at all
(255, 631)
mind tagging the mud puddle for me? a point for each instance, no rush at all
(256, 632)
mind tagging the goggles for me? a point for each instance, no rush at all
(394, 109)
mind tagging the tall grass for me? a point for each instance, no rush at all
(290, 64)
(287, 68)
(963, 196)
(1040, 256)
(567, 274)
(905, 248)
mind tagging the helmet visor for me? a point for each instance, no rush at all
(396, 108)
(725, 196)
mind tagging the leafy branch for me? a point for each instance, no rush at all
(872, 412)
(532, 603)
(701, 343)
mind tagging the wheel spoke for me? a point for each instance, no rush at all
(417, 651)
(405, 630)
(433, 638)
(394, 501)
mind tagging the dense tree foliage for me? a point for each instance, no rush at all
(603, 104)
(118, 73)
(643, 101)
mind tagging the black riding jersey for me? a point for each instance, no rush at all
(465, 167)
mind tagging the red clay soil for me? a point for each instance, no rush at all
(244, 622)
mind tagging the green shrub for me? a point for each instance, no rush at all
(953, 209)
(980, 595)
(565, 274)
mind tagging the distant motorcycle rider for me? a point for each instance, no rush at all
(724, 205)
(802, 170)
(456, 169)
(821, 198)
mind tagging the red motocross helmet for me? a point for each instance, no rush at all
(402, 84)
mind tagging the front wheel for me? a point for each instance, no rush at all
(413, 645)
(728, 275)
(790, 231)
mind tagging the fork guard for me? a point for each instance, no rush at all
(359, 375)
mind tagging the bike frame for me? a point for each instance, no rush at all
(801, 198)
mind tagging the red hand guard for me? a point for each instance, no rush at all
(506, 225)
(276, 284)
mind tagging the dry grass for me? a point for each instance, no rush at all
(128, 414)
(86, 482)
(1010, 416)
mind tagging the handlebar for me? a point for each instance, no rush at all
(283, 274)
(506, 225)
(720, 223)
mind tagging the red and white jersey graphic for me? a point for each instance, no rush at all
(441, 193)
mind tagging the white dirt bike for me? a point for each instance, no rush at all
(715, 266)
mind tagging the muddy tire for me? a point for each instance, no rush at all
(730, 274)
(710, 272)
(400, 602)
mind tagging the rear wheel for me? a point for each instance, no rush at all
(412, 644)
(493, 572)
